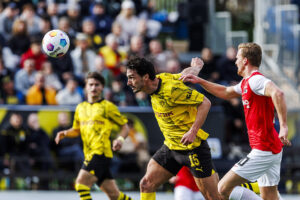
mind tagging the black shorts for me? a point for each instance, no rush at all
(98, 166)
(198, 160)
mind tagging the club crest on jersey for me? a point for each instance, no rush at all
(245, 90)
(246, 103)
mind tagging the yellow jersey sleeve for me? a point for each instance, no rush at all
(115, 115)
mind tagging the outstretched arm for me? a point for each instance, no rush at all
(66, 133)
(215, 89)
(117, 143)
(277, 95)
(195, 68)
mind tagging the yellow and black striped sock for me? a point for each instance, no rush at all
(148, 196)
(123, 196)
(83, 191)
(252, 186)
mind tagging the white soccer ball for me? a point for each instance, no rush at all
(55, 43)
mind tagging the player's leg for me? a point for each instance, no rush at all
(154, 177)
(208, 186)
(182, 192)
(111, 189)
(269, 181)
(83, 184)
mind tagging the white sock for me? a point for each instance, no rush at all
(241, 193)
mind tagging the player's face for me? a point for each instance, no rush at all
(240, 62)
(135, 81)
(93, 88)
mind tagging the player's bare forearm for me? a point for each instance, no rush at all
(195, 68)
(117, 143)
(202, 112)
(72, 133)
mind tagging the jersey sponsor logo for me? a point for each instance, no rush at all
(246, 103)
(168, 114)
(91, 122)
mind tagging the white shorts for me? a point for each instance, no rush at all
(260, 166)
(185, 193)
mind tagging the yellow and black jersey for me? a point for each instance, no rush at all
(175, 106)
(95, 122)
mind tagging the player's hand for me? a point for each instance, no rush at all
(190, 78)
(117, 144)
(188, 138)
(283, 136)
(60, 135)
(197, 62)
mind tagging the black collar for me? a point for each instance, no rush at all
(158, 87)
(97, 101)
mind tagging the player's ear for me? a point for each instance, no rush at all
(146, 77)
(245, 61)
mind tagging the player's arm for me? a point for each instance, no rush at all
(215, 89)
(117, 143)
(277, 95)
(195, 68)
(202, 112)
(67, 133)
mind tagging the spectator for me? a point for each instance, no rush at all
(210, 71)
(14, 145)
(116, 30)
(128, 20)
(63, 67)
(135, 145)
(112, 56)
(142, 99)
(39, 94)
(4, 73)
(73, 13)
(32, 20)
(96, 40)
(64, 25)
(68, 151)
(24, 78)
(34, 52)
(69, 95)
(8, 94)
(44, 25)
(51, 78)
(52, 11)
(19, 43)
(102, 21)
(104, 71)
(7, 18)
(39, 144)
(148, 29)
(173, 66)
(82, 56)
(137, 48)
(227, 68)
(158, 56)
(118, 94)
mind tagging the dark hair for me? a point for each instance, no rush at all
(252, 52)
(142, 67)
(96, 76)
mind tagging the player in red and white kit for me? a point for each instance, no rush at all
(260, 95)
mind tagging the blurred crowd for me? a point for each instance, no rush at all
(104, 35)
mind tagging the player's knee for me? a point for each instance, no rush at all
(146, 185)
(113, 195)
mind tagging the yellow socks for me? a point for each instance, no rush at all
(123, 196)
(84, 191)
(147, 196)
(252, 186)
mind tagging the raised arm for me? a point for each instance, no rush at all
(213, 88)
(277, 95)
(195, 68)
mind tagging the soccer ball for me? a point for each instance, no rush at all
(55, 43)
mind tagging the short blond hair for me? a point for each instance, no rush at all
(252, 52)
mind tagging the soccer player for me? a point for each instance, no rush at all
(259, 95)
(93, 120)
(180, 112)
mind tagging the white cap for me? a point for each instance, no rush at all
(127, 4)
